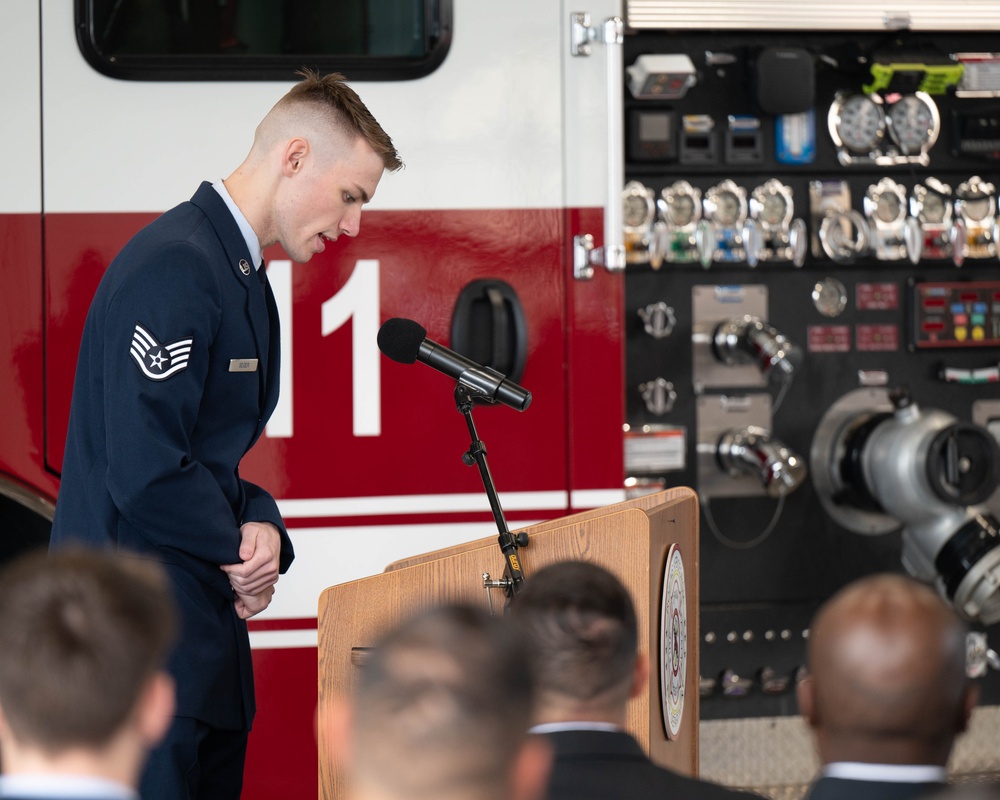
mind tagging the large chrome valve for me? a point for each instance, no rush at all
(750, 340)
(752, 450)
(880, 463)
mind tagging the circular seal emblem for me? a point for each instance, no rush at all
(673, 643)
(244, 266)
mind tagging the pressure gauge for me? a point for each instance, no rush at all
(930, 209)
(975, 223)
(885, 202)
(681, 204)
(771, 234)
(771, 204)
(914, 123)
(857, 122)
(976, 209)
(830, 297)
(888, 207)
(727, 208)
(934, 207)
(929, 202)
(638, 211)
(975, 199)
(720, 235)
(773, 209)
(681, 211)
(635, 211)
(637, 205)
(885, 206)
(726, 204)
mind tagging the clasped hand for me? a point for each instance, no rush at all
(253, 579)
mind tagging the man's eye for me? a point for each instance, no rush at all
(348, 198)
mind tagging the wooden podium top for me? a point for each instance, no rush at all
(643, 502)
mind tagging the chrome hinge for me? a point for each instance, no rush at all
(612, 255)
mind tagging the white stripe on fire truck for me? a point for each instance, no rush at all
(318, 508)
(283, 640)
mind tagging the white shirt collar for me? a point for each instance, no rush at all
(78, 786)
(895, 773)
(556, 727)
(253, 243)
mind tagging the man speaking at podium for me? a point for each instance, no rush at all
(177, 377)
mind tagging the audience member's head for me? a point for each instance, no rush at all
(441, 710)
(887, 681)
(580, 624)
(83, 637)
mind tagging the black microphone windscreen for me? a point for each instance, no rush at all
(400, 339)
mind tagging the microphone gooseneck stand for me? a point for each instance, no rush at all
(476, 454)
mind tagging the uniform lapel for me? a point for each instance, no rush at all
(272, 365)
(238, 256)
(257, 308)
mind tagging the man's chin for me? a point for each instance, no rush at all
(301, 256)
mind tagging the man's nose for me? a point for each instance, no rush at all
(350, 225)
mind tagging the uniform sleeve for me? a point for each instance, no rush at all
(161, 323)
(261, 507)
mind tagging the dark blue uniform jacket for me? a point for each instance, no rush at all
(161, 415)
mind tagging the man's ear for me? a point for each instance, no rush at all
(156, 708)
(640, 676)
(970, 700)
(294, 152)
(529, 774)
(339, 721)
(805, 695)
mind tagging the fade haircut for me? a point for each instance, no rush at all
(580, 623)
(81, 633)
(442, 707)
(330, 96)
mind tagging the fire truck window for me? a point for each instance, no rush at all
(263, 39)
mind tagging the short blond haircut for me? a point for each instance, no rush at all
(338, 105)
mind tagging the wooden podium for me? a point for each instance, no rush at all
(631, 539)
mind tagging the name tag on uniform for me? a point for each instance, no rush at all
(243, 365)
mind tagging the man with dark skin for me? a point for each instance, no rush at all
(887, 691)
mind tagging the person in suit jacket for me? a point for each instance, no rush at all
(579, 622)
(84, 692)
(177, 376)
(887, 692)
(440, 711)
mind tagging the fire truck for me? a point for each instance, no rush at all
(750, 248)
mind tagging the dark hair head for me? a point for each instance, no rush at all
(443, 705)
(580, 623)
(81, 633)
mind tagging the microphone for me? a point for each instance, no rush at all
(406, 341)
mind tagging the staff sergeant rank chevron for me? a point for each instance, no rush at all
(159, 361)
